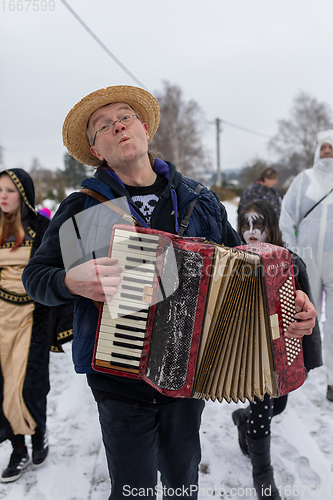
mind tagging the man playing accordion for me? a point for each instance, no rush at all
(143, 431)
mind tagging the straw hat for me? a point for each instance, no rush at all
(75, 124)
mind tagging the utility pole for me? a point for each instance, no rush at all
(218, 131)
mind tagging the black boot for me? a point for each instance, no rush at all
(240, 418)
(40, 447)
(260, 454)
(19, 460)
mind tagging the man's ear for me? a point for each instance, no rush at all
(94, 151)
(146, 129)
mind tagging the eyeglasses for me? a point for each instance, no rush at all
(107, 128)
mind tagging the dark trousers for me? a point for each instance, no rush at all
(140, 440)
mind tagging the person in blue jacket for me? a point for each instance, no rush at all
(143, 431)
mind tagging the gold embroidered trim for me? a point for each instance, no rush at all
(54, 348)
(20, 299)
(25, 243)
(31, 232)
(65, 334)
(20, 188)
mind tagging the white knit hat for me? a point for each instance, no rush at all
(325, 136)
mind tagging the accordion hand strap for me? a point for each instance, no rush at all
(185, 222)
(111, 205)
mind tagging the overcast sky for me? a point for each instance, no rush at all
(243, 61)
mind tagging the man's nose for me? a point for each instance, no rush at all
(118, 126)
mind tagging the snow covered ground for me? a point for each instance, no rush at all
(302, 444)
(76, 469)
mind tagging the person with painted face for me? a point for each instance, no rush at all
(306, 223)
(253, 228)
(258, 223)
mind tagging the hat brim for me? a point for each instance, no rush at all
(75, 124)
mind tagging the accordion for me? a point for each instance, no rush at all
(199, 320)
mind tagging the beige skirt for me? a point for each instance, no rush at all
(15, 336)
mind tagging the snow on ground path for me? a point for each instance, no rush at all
(76, 467)
(302, 453)
(231, 208)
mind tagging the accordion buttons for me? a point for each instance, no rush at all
(292, 345)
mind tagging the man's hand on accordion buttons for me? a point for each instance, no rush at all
(305, 317)
(97, 279)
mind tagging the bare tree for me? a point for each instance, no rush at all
(297, 135)
(48, 183)
(179, 138)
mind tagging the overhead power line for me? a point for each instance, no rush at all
(102, 44)
(217, 122)
(245, 129)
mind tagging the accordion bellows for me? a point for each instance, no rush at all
(197, 319)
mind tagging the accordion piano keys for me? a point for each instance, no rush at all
(123, 320)
(121, 339)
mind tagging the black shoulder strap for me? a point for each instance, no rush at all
(185, 222)
(314, 206)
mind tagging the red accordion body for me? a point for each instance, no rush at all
(171, 322)
(279, 279)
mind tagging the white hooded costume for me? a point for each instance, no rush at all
(312, 237)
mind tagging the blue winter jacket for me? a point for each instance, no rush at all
(43, 278)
